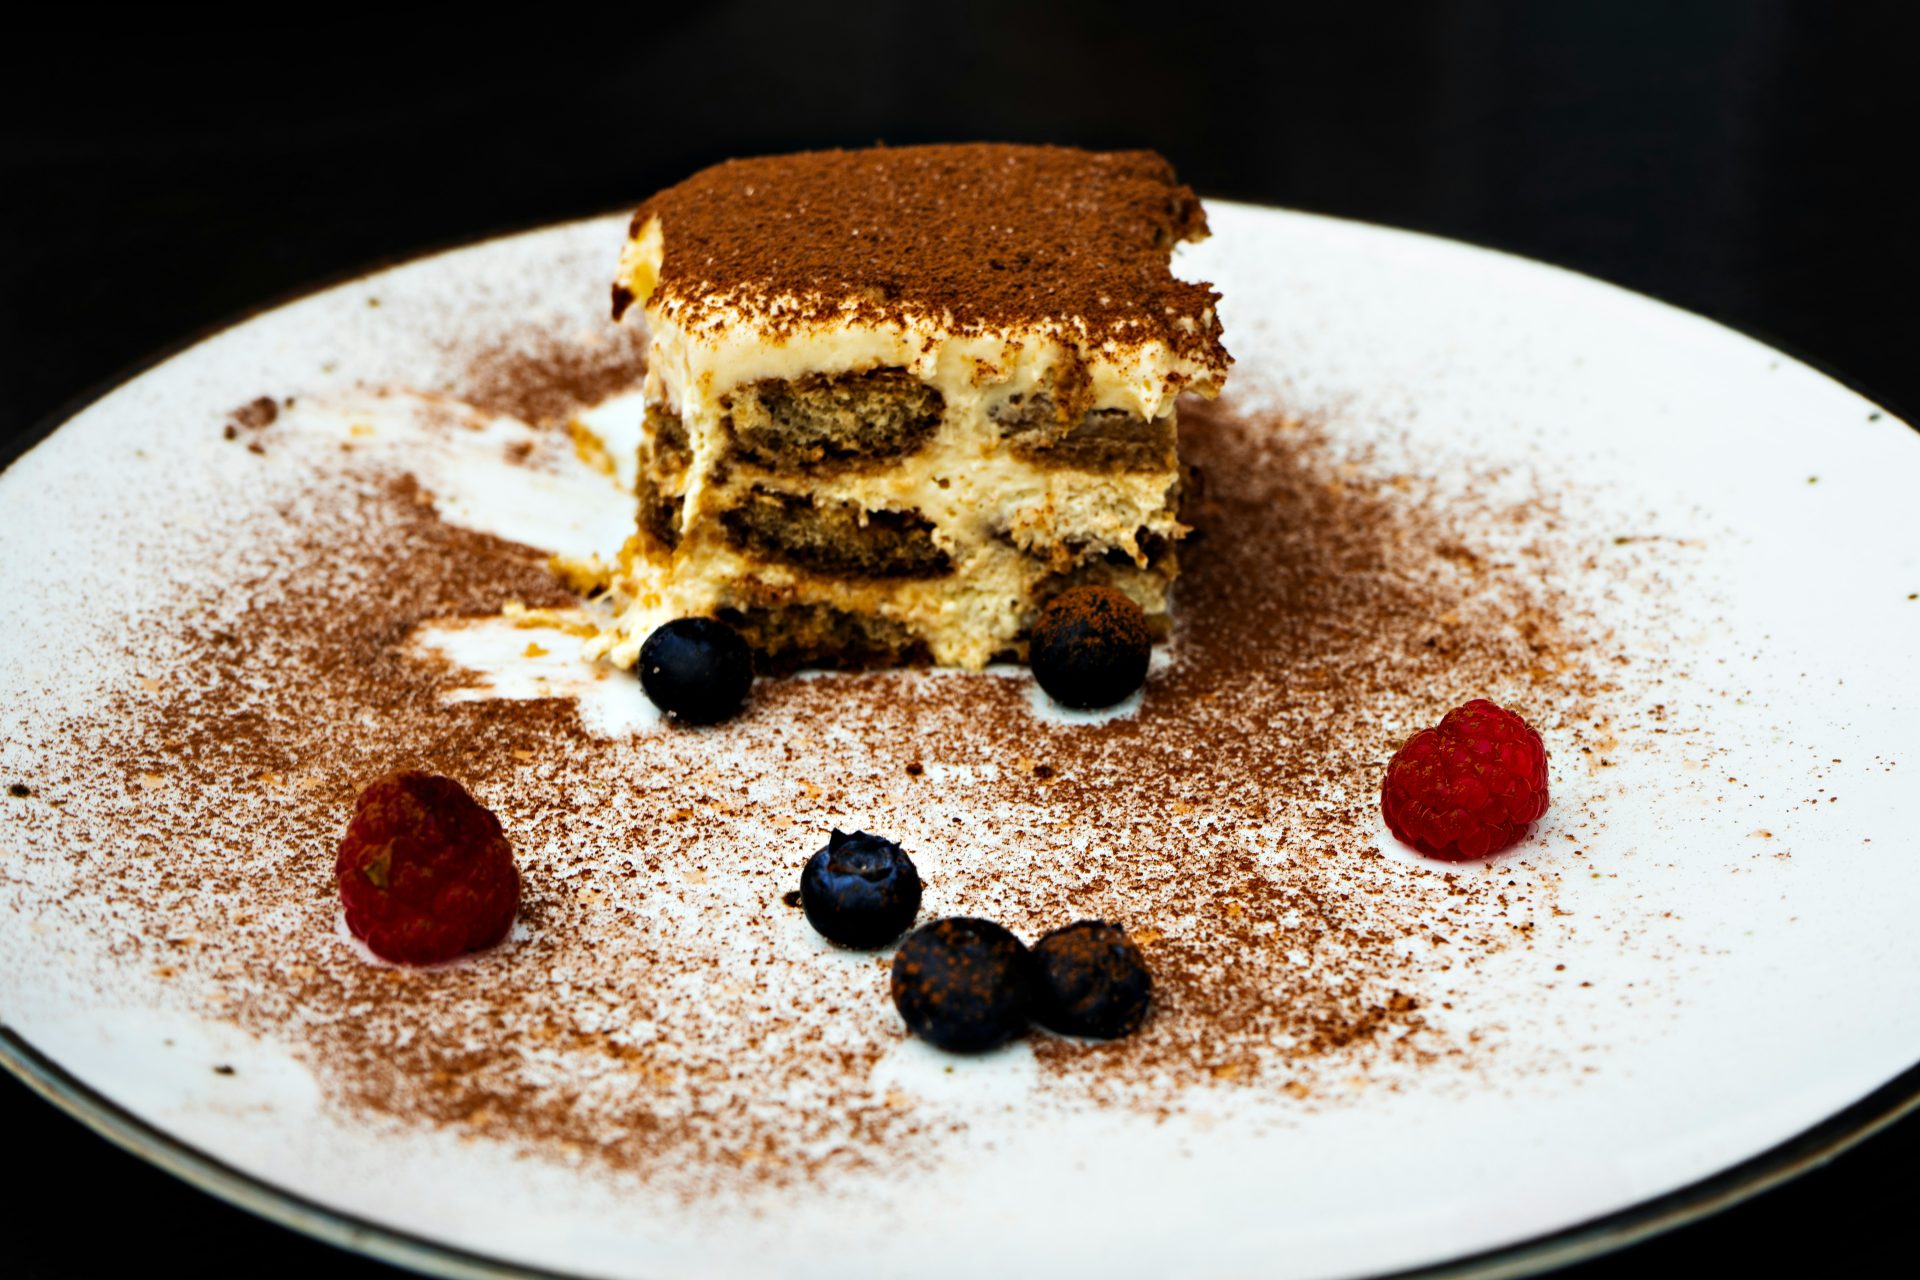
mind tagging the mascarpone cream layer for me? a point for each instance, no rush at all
(972, 490)
(965, 618)
(702, 350)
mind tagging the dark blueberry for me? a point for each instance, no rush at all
(860, 891)
(1089, 647)
(698, 669)
(1089, 980)
(962, 984)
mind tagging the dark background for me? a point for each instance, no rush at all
(1738, 159)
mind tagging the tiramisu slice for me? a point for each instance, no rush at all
(898, 398)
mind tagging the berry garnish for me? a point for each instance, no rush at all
(697, 669)
(1089, 980)
(1470, 786)
(425, 873)
(860, 891)
(1089, 647)
(962, 984)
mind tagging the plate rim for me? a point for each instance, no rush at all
(1811, 1148)
(1579, 1242)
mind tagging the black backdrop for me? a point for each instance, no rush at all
(1739, 159)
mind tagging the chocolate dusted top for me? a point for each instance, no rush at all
(976, 236)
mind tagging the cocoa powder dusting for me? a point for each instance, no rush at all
(975, 236)
(541, 376)
(660, 1009)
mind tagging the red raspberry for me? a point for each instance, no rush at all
(425, 872)
(1469, 787)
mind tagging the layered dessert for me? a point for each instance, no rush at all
(897, 399)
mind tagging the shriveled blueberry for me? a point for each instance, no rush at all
(962, 984)
(1089, 647)
(697, 669)
(1090, 980)
(860, 891)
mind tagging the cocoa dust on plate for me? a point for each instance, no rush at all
(661, 1007)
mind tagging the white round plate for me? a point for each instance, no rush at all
(1733, 890)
